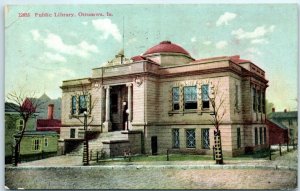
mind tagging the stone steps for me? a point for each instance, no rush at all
(96, 144)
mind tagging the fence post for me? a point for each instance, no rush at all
(167, 154)
(287, 146)
(91, 154)
(270, 153)
(97, 157)
(214, 154)
(280, 149)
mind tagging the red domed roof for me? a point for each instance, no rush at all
(166, 46)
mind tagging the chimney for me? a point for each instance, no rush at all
(285, 110)
(50, 111)
(273, 109)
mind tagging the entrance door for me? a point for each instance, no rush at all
(154, 145)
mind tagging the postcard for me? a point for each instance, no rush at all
(151, 96)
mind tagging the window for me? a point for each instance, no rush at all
(205, 138)
(263, 102)
(82, 103)
(190, 97)
(255, 136)
(236, 96)
(175, 98)
(265, 135)
(20, 124)
(259, 100)
(46, 142)
(290, 122)
(72, 133)
(238, 139)
(36, 145)
(254, 99)
(260, 136)
(205, 96)
(74, 101)
(114, 103)
(175, 136)
(190, 138)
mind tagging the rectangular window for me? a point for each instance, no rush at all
(46, 142)
(175, 138)
(263, 102)
(260, 136)
(20, 124)
(205, 96)
(82, 103)
(238, 134)
(236, 96)
(255, 136)
(175, 98)
(36, 145)
(259, 100)
(265, 135)
(72, 133)
(190, 97)
(74, 102)
(205, 138)
(254, 98)
(190, 138)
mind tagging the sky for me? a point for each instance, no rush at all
(41, 52)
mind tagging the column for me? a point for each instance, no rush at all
(129, 85)
(107, 123)
(107, 104)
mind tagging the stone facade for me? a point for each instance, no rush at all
(166, 95)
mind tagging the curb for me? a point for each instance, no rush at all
(182, 167)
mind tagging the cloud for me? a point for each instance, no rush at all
(35, 34)
(207, 42)
(107, 28)
(55, 42)
(221, 44)
(193, 39)
(253, 51)
(258, 32)
(65, 72)
(259, 41)
(48, 56)
(225, 18)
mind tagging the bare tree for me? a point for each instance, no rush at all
(217, 100)
(26, 105)
(83, 97)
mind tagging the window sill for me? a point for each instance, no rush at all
(78, 115)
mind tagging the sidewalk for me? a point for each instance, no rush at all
(288, 161)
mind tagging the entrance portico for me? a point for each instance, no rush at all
(118, 107)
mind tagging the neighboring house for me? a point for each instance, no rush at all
(290, 120)
(14, 124)
(160, 100)
(278, 132)
(34, 144)
(49, 124)
(42, 109)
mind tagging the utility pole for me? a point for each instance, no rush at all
(85, 142)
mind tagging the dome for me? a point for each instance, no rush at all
(166, 46)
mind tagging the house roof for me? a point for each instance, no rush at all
(166, 46)
(48, 123)
(41, 133)
(283, 115)
(276, 123)
(11, 107)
